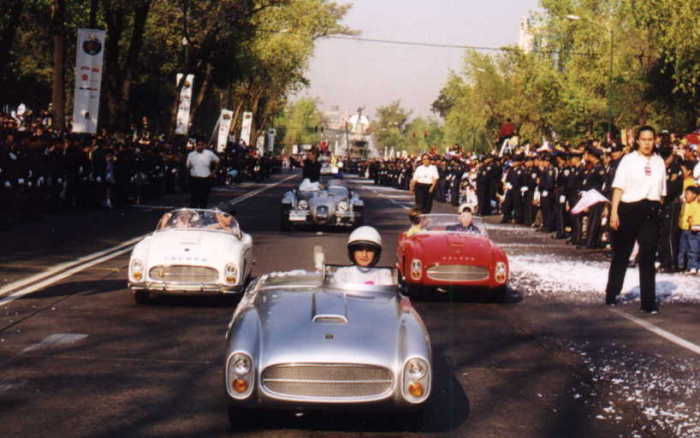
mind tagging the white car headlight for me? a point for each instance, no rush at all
(136, 269)
(501, 272)
(231, 273)
(240, 376)
(303, 204)
(342, 206)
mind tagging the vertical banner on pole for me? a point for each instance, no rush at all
(246, 127)
(225, 120)
(183, 107)
(88, 79)
(271, 134)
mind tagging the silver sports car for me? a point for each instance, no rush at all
(303, 341)
(317, 204)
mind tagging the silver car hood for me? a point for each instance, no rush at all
(320, 326)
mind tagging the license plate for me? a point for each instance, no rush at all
(297, 215)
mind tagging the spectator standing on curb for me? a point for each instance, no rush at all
(201, 164)
(423, 184)
(638, 191)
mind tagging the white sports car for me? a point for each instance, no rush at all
(191, 252)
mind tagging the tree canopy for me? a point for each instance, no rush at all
(246, 55)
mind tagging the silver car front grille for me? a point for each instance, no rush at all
(458, 273)
(183, 274)
(327, 380)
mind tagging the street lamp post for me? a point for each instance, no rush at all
(609, 29)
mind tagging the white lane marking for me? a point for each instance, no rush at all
(660, 332)
(53, 279)
(75, 266)
(60, 267)
(56, 339)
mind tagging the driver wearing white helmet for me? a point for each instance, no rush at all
(364, 250)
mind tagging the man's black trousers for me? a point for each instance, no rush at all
(199, 190)
(423, 197)
(638, 222)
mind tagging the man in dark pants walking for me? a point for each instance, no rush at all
(201, 163)
(639, 188)
(423, 184)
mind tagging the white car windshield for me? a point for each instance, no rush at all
(192, 219)
(457, 223)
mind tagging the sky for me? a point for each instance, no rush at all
(351, 74)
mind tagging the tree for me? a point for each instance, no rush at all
(300, 123)
(389, 126)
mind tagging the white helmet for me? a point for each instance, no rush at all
(365, 237)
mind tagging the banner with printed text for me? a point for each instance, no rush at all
(182, 124)
(88, 79)
(246, 127)
(225, 120)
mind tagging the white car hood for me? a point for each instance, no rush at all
(192, 247)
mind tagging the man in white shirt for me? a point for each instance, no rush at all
(639, 189)
(201, 163)
(696, 173)
(425, 179)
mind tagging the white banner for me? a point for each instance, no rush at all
(246, 127)
(88, 79)
(271, 134)
(225, 120)
(183, 107)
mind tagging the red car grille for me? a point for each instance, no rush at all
(458, 273)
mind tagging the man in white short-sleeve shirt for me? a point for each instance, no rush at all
(423, 183)
(201, 164)
(639, 188)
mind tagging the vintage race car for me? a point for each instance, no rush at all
(191, 252)
(316, 204)
(444, 254)
(303, 341)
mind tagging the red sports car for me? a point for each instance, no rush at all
(445, 250)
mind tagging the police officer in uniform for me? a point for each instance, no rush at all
(594, 179)
(547, 195)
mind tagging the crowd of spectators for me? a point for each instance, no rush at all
(563, 189)
(43, 170)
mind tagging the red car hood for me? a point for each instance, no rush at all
(458, 248)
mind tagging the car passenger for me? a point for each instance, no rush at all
(416, 226)
(466, 223)
(224, 221)
(364, 250)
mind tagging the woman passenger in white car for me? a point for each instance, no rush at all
(364, 250)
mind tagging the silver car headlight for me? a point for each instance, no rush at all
(240, 375)
(303, 204)
(231, 273)
(501, 273)
(136, 269)
(416, 380)
(342, 206)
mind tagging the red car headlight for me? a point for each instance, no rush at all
(416, 269)
(501, 272)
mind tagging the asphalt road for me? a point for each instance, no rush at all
(80, 358)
